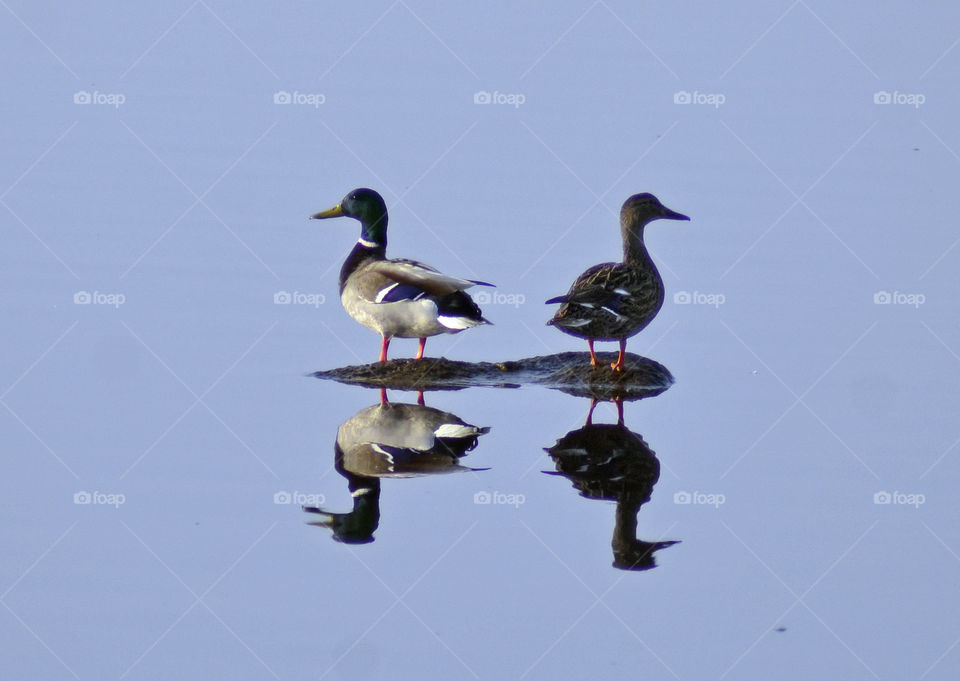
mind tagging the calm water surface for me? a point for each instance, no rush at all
(161, 431)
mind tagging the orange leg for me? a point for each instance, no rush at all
(618, 365)
(420, 348)
(593, 356)
(420, 399)
(619, 404)
(383, 396)
(593, 405)
(383, 349)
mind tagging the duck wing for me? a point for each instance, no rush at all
(390, 281)
(413, 273)
(597, 287)
(609, 302)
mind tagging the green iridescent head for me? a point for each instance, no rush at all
(368, 207)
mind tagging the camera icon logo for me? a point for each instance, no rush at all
(682, 497)
(882, 298)
(482, 497)
(81, 97)
(281, 97)
(81, 298)
(882, 97)
(682, 97)
(282, 497)
(882, 497)
(681, 298)
(281, 298)
(481, 97)
(482, 297)
(82, 498)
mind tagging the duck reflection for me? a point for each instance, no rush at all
(608, 461)
(391, 440)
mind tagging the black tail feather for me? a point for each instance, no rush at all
(458, 304)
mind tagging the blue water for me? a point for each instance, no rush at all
(157, 403)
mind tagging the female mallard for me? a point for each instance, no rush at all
(610, 462)
(614, 301)
(397, 298)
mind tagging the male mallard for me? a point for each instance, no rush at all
(397, 298)
(391, 440)
(614, 301)
(397, 440)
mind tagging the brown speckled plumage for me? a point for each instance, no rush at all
(613, 301)
(611, 316)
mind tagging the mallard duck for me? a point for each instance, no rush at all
(397, 440)
(614, 301)
(610, 462)
(391, 440)
(397, 298)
